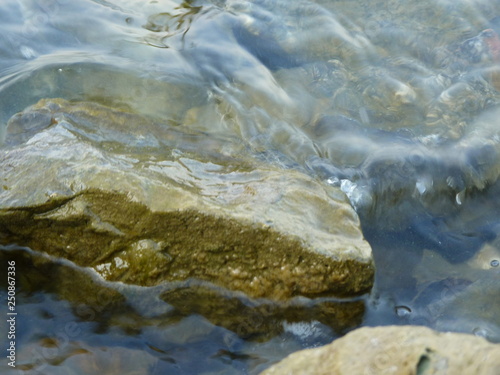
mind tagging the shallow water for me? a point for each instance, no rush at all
(376, 97)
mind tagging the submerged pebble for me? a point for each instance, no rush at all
(402, 311)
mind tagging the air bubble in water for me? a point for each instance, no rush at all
(478, 331)
(421, 187)
(459, 198)
(334, 181)
(402, 311)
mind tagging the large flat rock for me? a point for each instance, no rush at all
(143, 203)
(401, 350)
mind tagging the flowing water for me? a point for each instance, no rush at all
(381, 98)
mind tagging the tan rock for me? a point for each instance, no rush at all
(398, 350)
(144, 213)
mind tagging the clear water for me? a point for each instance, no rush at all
(376, 97)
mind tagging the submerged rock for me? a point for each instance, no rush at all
(152, 211)
(460, 297)
(115, 305)
(416, 187)
(263, 320)
(395, 350)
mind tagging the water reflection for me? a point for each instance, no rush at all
(74, 323)
(396, 102)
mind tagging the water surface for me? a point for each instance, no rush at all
(376, 97)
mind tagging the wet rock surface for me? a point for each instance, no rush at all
(395, 350)
(149, 221)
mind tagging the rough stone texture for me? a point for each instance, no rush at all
(401, 350)
(111, 190)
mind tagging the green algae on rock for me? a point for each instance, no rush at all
(125, 241)
(262, 320)
(139, 219)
